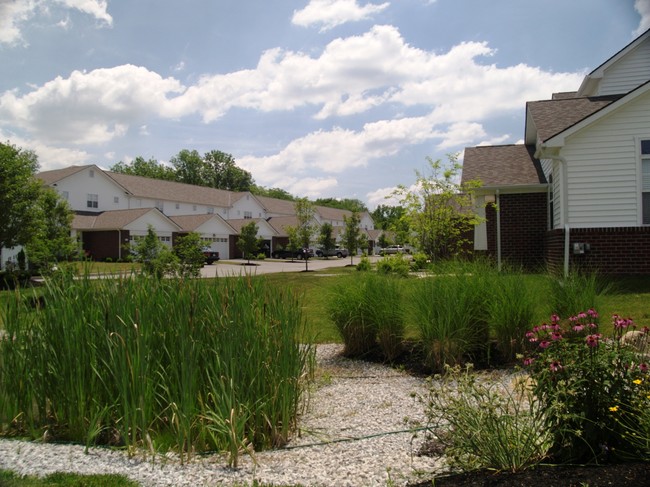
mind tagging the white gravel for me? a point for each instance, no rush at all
(351, 400)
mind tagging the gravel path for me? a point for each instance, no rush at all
(352, 400)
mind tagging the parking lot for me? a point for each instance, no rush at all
(238, 267)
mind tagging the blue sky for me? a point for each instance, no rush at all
(323, 98)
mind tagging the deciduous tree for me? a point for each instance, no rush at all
(325, 239)
(352, 234)
(440, 210)
(146, 168)
(305, 230)
(248, 241)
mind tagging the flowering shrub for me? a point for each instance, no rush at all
(585, 381)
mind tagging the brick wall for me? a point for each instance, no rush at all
(104, 244)
(616, 251)
(523, 229)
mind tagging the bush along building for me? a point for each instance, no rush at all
(576, 194)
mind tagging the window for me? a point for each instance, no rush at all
(645, 180)
(91, 173)
(116, 199)
(193, 207)
(178, 206)
(160, 205)
(210, 210)
(248, 215)
(92, 201)
(65, 195)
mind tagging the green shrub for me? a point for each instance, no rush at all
(575, 292)
(586, 383)
(487, 422)
(419, 261)
(366, 309)
(450, 313)
(260, 256)
(511, 312)
(394, 264)
(364, 263)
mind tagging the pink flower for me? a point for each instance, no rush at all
(592, 313)
(592, 325)
(555, 366)
(645, 330)
(578, 328)
(556, 335)
(528, 361)
(573, 318)
(582, 315)
(555, 318)
(592, 340)
(643, 367)
(544, 344)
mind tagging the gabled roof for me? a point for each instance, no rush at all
(275, 205)
(502, 165)
(590, 83)
(238, 223)
(328, 213)
(111, 220)
(190, 223)
(279, 223)
(158, 189)
(51, 177)
(550, 117)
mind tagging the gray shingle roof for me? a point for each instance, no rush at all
(50, 177)
(108, 220)
(502, 165)
(554, 116)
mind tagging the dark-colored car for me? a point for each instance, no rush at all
(288, 254)
(210, 255)
(335, 252)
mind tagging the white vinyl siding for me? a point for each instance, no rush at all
(602, 166)
(629, 72)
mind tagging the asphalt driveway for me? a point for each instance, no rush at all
(238, 267)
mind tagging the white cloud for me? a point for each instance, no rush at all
(12, 14)
(332, 13)
(89, 107)
(382, 196)
(643, 7)
(94, 8)
(49, 157)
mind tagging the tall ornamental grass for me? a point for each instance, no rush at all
(163, 364)
(576, 292)
(367, 310)
(450, 313)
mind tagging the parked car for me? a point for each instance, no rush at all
(335, 252)
(211, 256)
(288, 254)
(392, 249)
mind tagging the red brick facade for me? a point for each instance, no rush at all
(621, 250)
(103, 245)
(523, 229)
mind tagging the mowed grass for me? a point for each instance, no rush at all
(10, 479)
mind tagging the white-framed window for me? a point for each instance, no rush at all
(210, 210)
(645, 181)
(92, 201)
(248, 215)
(116, 200)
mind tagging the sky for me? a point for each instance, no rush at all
(322, 98)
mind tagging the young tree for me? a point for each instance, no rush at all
(352, 234)
(19, 192)
(305, 216)
(190, 256)
(248, 241)
(325, 239)
(440, 210)
(51, 241)
(294, 240)
(156, 258)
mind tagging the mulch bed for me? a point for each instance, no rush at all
(615, 475)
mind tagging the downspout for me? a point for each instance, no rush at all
(498, 202)
(565, 205)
